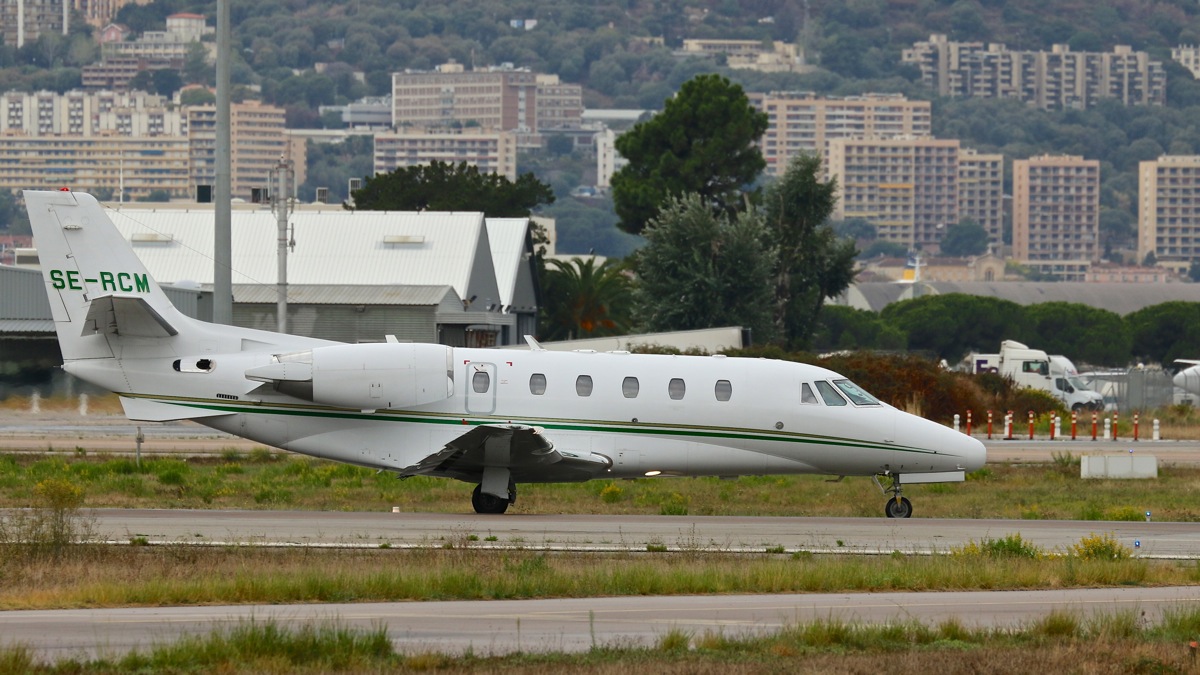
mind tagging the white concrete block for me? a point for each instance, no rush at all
(1118, 466)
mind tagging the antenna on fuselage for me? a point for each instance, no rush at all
(534, 344)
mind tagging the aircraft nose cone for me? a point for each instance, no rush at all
(955, 450)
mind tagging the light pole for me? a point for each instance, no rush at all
(222, 235)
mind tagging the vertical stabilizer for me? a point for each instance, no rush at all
(98, 288)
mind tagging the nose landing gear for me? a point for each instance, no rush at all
(897, 505)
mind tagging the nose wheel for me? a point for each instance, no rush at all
(897, 505)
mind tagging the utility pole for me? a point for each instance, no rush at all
(281, 206)
(223, 199)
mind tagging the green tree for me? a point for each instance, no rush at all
(965, 238)
(843, 327)
(1165, 332)
(704, 270)
(13, 217)
(949, 326)
(196, 96)
(441, 186)
(813, 263)
(703, 142)
(1071, 328)
(581, 299)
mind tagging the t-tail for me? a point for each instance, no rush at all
(116, 327)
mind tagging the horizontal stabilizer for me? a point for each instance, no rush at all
(145, 410)
(126, 315)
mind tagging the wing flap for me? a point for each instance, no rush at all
(524, 450)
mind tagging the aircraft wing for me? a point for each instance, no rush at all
(523, 450)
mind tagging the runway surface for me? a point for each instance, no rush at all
(504, 626)
(488, 627)
(625, 533)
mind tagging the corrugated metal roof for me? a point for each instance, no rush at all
(412, 296)
(332, 247)
(1116, 297)
(507, 239)
(27, 326)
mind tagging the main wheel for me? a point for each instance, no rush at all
(901, 509)
(485, 503)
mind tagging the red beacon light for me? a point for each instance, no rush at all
(64, 189)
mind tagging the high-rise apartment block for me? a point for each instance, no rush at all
(906, 187)
(803, 122)
(500, 98)
(140, 142)
(1057, 79)
(913, 189)
(1169, 211)
(1056, 214)
(1187, 56)
(981, 191)
(492, 151)
(257, 143)
(24, 21)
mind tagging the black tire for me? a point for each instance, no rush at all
(489, 504)
(900, 510)
(1079, 407)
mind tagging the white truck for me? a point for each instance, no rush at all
(1036, 369)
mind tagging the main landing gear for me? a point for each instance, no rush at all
(897, 505)
(491, 504)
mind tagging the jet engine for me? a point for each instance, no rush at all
(363, 376)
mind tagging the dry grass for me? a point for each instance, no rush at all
(106, 576)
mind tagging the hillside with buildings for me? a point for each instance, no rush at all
(1069, 142)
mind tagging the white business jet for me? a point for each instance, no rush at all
(491, 417)
(1188, 379)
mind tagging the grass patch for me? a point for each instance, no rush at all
(138, 575)
(263, 479)
(1059, 642)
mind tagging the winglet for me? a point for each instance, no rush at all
(534, 344)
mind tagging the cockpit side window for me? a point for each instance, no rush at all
(829, 394)
(807, 397)
(856, 394)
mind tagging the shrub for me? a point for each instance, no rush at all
(611, 493)
(1010, 546)
(1100, 547)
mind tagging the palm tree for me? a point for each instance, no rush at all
(582, 299)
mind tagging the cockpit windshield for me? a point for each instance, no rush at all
(856, 394)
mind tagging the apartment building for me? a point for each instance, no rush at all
(559, 106)
(172, 44)
(1056, 214)
(1051, 80)
(493, 151)
(772, 57)
(1187, 56)
(906, 187)
(78, 113)
(101, 164)
(502, 98)
(1169, 211)
(981, 191)
(496, 98)
(257, 143)
(24, 21)
(803, 122)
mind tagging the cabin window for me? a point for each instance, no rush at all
(676, 389)
(829, 394)
(537, 384)
(856, 394)
(480, 381)
(583, 385)
(807, 397)
(629, 387)
(723, 390)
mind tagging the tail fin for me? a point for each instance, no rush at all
(96, 285)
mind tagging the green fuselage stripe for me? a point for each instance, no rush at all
(599, 426)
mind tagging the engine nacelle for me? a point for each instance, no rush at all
(364, 376)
